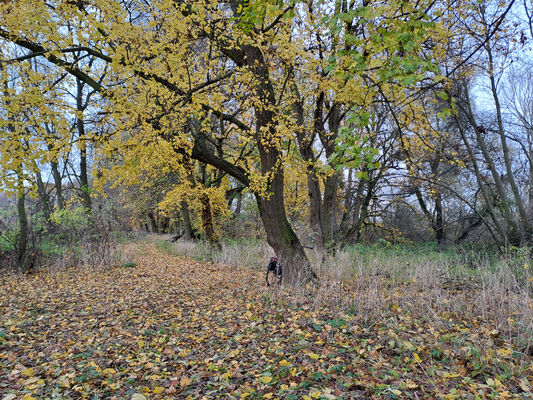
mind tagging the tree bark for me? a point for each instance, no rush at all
(187, 227)
(22, 237)
(207, 220)
(58, 185)
(43, 196)
(280, 235)
(80, 125)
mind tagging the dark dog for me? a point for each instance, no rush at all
(275, 267)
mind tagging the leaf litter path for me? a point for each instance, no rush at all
(175, 329)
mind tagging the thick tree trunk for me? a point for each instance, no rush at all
(187, 227)
(280, 235)
(207, 219)
(153, 224)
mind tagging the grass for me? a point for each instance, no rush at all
(372, 281)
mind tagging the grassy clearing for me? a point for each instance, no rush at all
(427, 282)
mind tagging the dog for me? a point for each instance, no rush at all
(275, 267)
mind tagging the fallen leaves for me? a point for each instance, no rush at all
(172, 328)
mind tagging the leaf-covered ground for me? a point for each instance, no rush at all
(177, 329)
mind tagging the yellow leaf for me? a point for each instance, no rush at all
(313, 356)
(448, 375)
(284, 363)
(141, 343)
(417, 358)
(28, 397)
(268, 395)
(266, 379)
(185, 381)
(410, 384)
(284, 387)
(27, 372)
(158, 389)
(109, 372)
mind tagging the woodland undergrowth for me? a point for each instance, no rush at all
(165, 326)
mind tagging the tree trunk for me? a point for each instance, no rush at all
(483, 187)
(525, 228)
(207, 220)
(280, 235)
(187, 227)
(530, 192)
(438, 225)
(84, 179)
(43, 196)
(153, 224)
(479, 131)
(22, 237)
(238, 207)
(80, 125)
(58, 185)
(305, 144)
(328, 208)
(331, 185)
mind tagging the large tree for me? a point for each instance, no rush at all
(176, 66)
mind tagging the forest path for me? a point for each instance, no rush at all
(175, 328)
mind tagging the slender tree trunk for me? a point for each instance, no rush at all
(54, 165)
(530, 192)
(328, 208)
(331, 185)
(22, 237)
(238, 207)
(438, 226)
(80, 125)
(84, 179)
(305, 145)
(438, 221)
(187, 227)
(58, 185)
(526, 227)
(43, 196)
(484, 190)
(479, 131)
